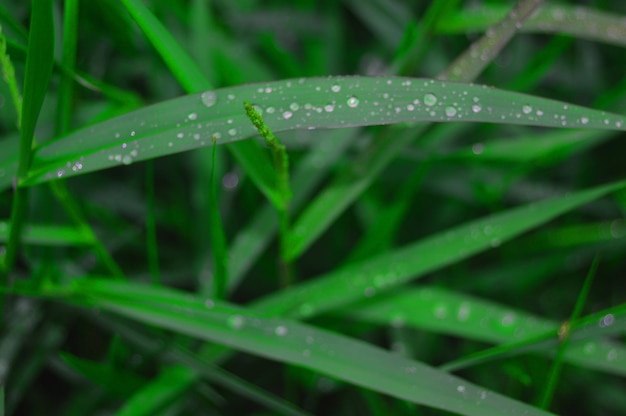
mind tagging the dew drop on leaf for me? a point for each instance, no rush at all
(526, 109)
(281, 330)
(335, 88)
(451, 111)
(287, 115)
(353, 102)
(209, 98)
(430, 100)
(235, 322)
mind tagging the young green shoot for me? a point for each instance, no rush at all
(280, 160)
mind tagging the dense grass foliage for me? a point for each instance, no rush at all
(314, 207)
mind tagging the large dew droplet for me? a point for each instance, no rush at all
(430, 100)
(209, 98)
(353, 102)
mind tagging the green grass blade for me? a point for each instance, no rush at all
(447, 312)
(555, 370)
(386, 271)
(178, 61)
(190, 122)
(218, 238)
(170, 385)
(39, 60)
(49, 235)
(117, 381)
(180, 354)
(482, 52)
(287, 341)
(576, 21)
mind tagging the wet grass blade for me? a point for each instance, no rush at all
(190, 122)
(288, 341)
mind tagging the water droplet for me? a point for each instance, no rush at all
(508, 319)
(127, 160)
(335, 88)
(270, 110)
(294, 106)
(430, 100)
(230, 180)
(611, 355)
(329, 108)
(235, 322)
(232, 132)
(209, 98)
(526, 109)
(60, 173)
(607, 320)
(476, 108)
(287, 115)
(478, 148)
(192, 116)
(584, 120)
(464, 311)
(451, 111)
(281, 330)
(441, 311)
(353, 102)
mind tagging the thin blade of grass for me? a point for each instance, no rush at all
(39, 60)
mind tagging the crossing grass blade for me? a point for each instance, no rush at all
(288, 341)
(577, 21)
(190, 122)
(364, 279)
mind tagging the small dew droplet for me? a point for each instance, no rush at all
(335, 88)
(281, 330)
(451, 111)
(192, 116)
(526, 109)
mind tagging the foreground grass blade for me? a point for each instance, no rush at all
(287, 341)
(190, 122)
(392, 269)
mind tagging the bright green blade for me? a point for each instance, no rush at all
(366, 278)
(288, 341)
(190, 122)
(443, 311)
(172, 383)
(49, 235)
